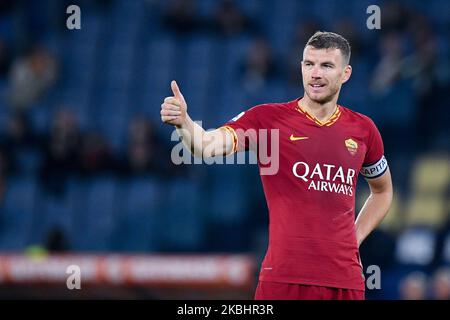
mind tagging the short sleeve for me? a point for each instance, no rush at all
(244, 128)
(375, 163)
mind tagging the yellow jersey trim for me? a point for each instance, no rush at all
(334, 117)
(234, 136)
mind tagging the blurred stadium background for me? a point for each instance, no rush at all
(85, 170)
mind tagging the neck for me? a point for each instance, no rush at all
(322, 111)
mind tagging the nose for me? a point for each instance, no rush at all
(316, 73)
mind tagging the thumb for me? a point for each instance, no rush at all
(176, 91)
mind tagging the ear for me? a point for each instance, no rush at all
(347, 73)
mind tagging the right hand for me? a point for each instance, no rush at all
(174, 108)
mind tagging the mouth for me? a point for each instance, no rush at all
(317, 86)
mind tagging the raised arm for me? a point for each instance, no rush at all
(201, 143)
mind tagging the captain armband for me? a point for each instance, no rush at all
(375, 170)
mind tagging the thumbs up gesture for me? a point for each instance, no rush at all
(174, 108)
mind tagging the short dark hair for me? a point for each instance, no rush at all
(327, 40)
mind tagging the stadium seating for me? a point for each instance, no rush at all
(17, 212)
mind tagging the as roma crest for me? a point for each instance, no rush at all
(352, 146)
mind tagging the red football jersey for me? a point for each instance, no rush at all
(310, 190)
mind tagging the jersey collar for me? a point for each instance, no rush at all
(334, 117)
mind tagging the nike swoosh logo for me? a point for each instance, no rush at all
(292, 138)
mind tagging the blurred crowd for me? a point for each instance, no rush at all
(68, 151)
(244, 53)
(419, 286)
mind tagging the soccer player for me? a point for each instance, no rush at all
(314, 240)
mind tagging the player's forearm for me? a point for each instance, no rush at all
(191, 134)
(203, 143)
(372, 213)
